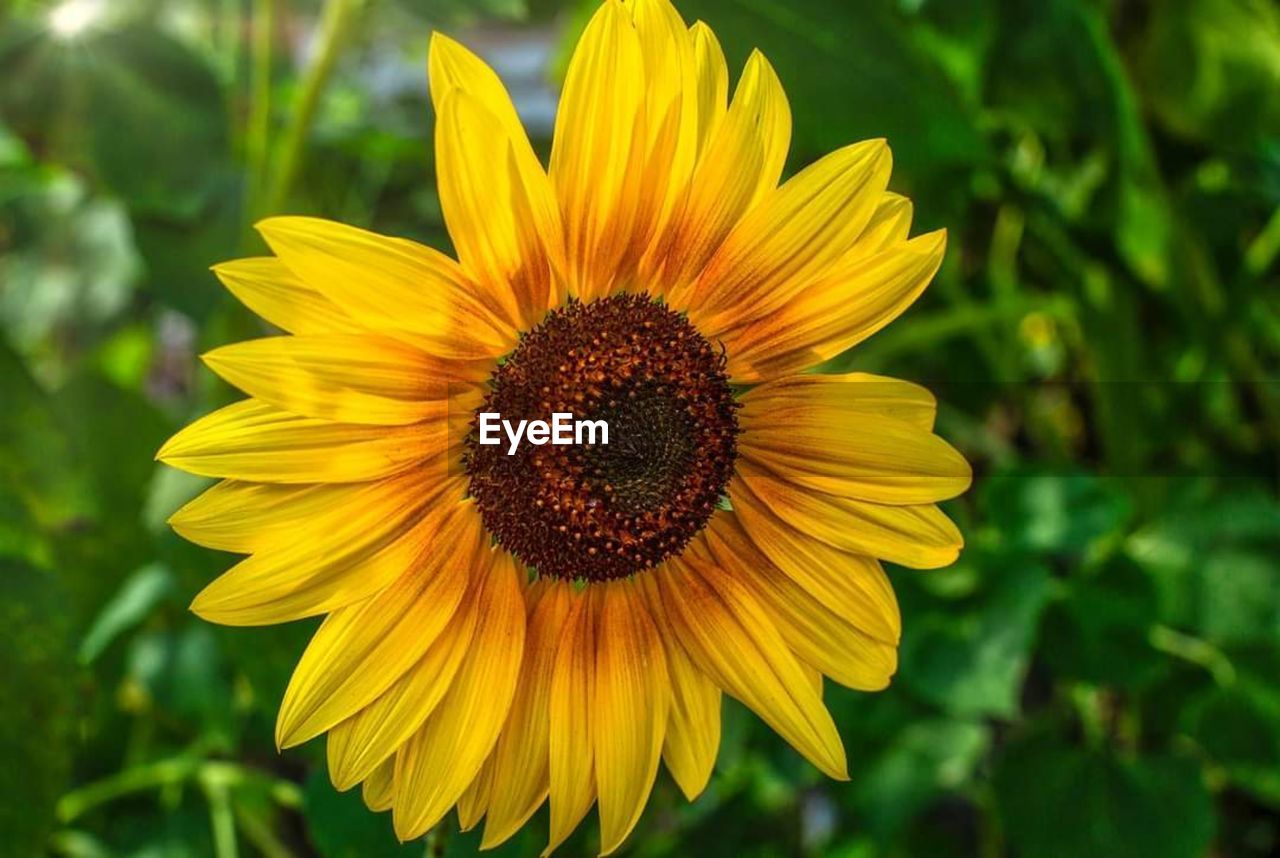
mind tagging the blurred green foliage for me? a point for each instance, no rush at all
(1098, 675)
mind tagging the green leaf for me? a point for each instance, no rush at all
(1060, 73)
(1239, 725)
(179, 254)
(37, 699)
(1051, 513)
(37, 460)
(148, 80)
(1213, 561)
(852, 71)
(137, 109)
(167, 491)
(927, 757)
(69, 263)
(1210, 69)
(13, 153)
(1240, 597)
(1241, 730)
(971, 658)
(117, 447)
(140, 593)
(1098, 632)
(340, 826)
(184, 674)
(1056, 801)
(110, 436)
(19, 536)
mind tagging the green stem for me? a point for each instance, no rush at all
(1251, 372)
(76, 844)
(137, 779)
(435, 842)
(227, 38)
(216, 782)
(953, 289)
(1088, 705)
(335, 25)
(967, 319)
(990, 836)
(1195, 651)
(167, 773)
(258, 135)
(259, 835)
(1006, 244)
(1263, 249)
(1107, 309)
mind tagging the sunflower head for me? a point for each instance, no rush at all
(544, 623)
(602, 510)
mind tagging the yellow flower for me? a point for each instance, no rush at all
(503, 629)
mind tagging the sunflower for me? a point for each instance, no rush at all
(503, 629)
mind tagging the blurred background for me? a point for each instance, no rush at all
(1098, 676)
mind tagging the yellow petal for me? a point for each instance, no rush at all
(352, 378)
(267, 287)
(599, 148)
(889, 225)
(739, 165)
(474, 801)
(814, 676)
(632, 695)
(399, 287)
(852, 585)
(489, 197)
(360, 743)
(670, 142)
(820, 445)
(450, 65)
(836, 311)
(498, 203)
(733, 640)
(520, 760)
(251, 440)
(712, 76)
(571, 741)
(693, 725)
(360, 650)
(440, 761)
(918, 536)
(379, 789)
(858, 392)
(339, 556)
(792, 236)
(246, 517)
(817, 634)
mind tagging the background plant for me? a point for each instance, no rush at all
(1099, 675)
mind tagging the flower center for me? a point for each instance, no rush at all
(599, 511)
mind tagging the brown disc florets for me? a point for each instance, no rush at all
(603, 511)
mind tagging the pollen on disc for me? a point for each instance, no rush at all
(605, 511)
